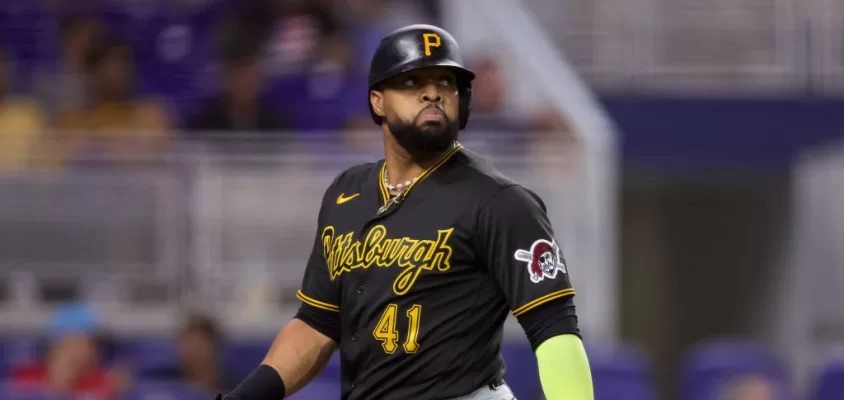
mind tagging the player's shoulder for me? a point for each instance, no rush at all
(480, 172)
(353, 176)
(357, 173)
(491, 185)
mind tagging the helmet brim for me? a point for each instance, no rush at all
(464, 75)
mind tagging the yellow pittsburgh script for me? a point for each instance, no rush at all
(343, 254)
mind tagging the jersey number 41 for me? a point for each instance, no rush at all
(386, 333)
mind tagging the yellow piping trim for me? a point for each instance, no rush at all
(434, 167)
(316, 303)
(542, 300)
(385, 194)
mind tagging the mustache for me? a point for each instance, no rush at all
(432, 106)
(436, 106)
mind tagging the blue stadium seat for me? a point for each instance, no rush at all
(149, 356)
(27, 31)
(621, 372)
(325, 386)
(830, 381)
(316, 102)
(166, 391)
(319, 389)
(17, 351)
(12, 392)
(173, 45)
(242, 357)
(522, 374)
(711, 365)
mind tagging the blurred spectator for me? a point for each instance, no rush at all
(546, 134)
(200, 357)
(298, 34)
(749, 388)
(327, 96)
(368, 21)
(240, 106)
(116, 124)
(21, 122)
(289, 32)
(63, 89)
(489, 97)
(71, 365)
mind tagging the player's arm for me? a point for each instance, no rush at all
(564, 368)
(517, 243)
(297, 356)
(304, 346)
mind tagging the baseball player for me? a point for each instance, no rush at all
(419, 257)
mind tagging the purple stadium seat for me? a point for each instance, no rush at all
(148, 356)
(830, 381)
(166, 391)
(12, 392)
(522, 374)
(711, 365)
(320, 102)
(173, 45)
(28, 32)
(243, 356)
(319, 389)
(16, 351)
(325, 386)
(621, 372)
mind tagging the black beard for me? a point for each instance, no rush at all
(426, 141)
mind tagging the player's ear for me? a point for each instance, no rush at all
(376, 99)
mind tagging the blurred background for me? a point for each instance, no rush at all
(160, 161)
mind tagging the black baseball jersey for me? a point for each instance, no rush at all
(422, 283)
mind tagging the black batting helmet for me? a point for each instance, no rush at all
(419, 46)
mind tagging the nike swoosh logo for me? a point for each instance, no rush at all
(342, 199)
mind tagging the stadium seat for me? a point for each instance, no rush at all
(711, 365)
(830, 381)
(319, 102)
(17, 351)
(12, 392)
(166, 391)
(173, 48)
(318, 389)
(242, 357)
(325, 386)
(149, 356)
(621, 372)
(27, 32)
(522, 374)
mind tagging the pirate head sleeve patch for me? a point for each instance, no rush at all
(518, 247)
(543, 260)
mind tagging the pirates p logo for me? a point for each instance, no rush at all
(430, 40)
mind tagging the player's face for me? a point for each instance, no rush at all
(422, 110)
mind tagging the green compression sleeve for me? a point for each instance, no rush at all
(564, 369)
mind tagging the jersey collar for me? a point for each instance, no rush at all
(385, 193)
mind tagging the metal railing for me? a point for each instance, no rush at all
(710, 46)
(228, 225)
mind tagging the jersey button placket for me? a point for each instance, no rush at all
(359, 289)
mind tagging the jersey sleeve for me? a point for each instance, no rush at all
(517, 244)
(318, 290)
